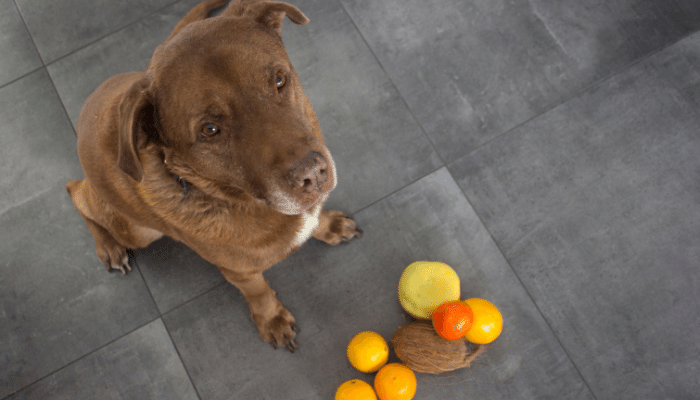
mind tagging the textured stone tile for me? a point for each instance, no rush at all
(16, 46)
(57, 302)
(62, 26)
(336, 292)
(471, 70)
(174, 273)
(130, 49)
(594, 204)
(690, 16)
(38, 144)
(141, 365)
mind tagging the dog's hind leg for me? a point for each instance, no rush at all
(112, 232)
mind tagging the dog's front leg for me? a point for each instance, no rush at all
(336, 227)
(274, 322)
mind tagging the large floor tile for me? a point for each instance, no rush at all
(141, 365)
(336, 292)
(19, 56)
(691, 13)
(62, 26)
(130, 49)
(595, 205)
(38, 145)
(471, 70)
(174, 273)
(57, 301)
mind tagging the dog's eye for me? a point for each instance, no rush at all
(210, 130)
(280, 81)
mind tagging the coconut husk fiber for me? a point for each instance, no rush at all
(421, 348)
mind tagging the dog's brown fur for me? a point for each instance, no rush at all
(216, 145)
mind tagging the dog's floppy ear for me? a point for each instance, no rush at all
(133, 117)
(271, 14)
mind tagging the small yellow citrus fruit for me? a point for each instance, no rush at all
(368, 351)
(355, 389)
(424, 285)
(395, 382)
(488, 322)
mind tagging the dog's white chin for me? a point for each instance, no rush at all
(286, 204)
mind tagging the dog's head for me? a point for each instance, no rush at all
(222, 100)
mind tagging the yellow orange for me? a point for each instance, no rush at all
(488, 321)
(424, 285)
(355, 389)
(395, 382)
(368, 351)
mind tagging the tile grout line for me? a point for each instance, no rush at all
(547, 110)
(403, 99)
(410, 111)
(43, 62)
(101, 347)
(576, 94)
(132, 256)
(546, 321)
(57, 370)
(399, 189)
(563, 102)
(134, 22)
(22, 76)
(43, 67)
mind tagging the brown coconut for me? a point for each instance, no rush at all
(423, 350)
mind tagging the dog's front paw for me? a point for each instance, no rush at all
(278, 329)
(336, 227)
(113, 254)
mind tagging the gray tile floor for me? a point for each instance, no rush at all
(548, 150)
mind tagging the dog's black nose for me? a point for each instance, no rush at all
(309, 173)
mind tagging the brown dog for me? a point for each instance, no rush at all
(215, 145)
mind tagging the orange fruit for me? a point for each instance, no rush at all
(453, 319)
(395, 382)
(487, 324)
(355, 389)
(368, 351)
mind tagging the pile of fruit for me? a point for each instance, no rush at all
(448, 334)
